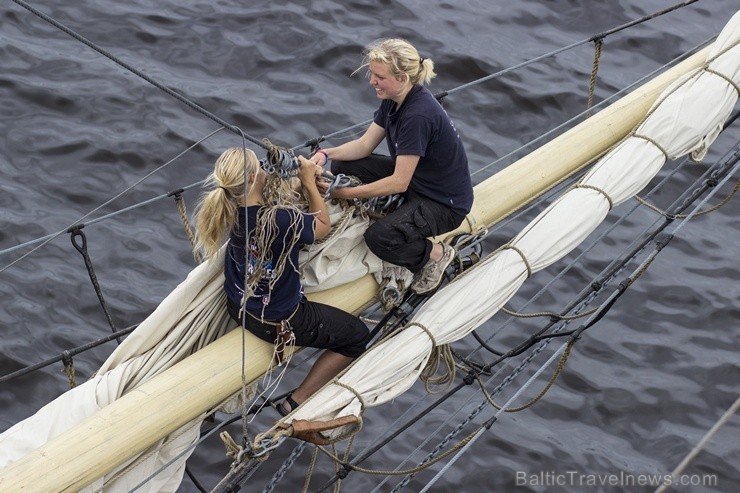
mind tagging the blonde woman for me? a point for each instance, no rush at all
(427, 164)
(257, 212)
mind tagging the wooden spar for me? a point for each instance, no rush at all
(195, 385)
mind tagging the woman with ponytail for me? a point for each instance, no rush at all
(427, 164)
(258, 215)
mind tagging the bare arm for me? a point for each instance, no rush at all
(316, 205)
(398, 182)
(354, 149)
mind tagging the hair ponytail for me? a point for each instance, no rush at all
(216, 211)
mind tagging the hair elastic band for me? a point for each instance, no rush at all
(326, 156)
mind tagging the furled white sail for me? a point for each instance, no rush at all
(187, 319)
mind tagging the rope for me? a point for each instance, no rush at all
(598, 44)
(381, 472)
(652, 141)
(702, 443)
(726, 79)
(439, 354)
(311, 466)
(69, 369)
(573, 45)
(358, 395)
(569, 123)
(552, 315)
(602, 192)
(509, 246)
(663, 213)
(556, 373)
(186, 225)
(470, 438)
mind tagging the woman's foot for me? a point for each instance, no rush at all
(287, 406)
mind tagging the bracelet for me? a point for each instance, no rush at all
(326, 156)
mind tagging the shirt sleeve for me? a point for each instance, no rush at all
(414, 134)
(381, 114)
(307, 235)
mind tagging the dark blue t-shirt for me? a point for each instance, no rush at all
(288, 291)
(421, 127)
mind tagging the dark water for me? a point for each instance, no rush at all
(641, 388)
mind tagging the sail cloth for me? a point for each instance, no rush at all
(341, 257)
(686, 118)
(189, 318)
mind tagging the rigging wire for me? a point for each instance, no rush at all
(70, 352)
(47, 239)
(79, 222)
(730, 158)
(227, 127)
(702, 443)
(557, 130)
(492, 420)
(138, 73)
(574, 45)
(597, 285)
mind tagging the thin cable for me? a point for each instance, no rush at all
(521, 389)
(702, 443)
(724, 162)
(573, 45)
(128, 189)
(600, 104)
(136, 72)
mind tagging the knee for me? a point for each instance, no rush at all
(380, 236)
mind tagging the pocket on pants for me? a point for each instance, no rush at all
(419, 225)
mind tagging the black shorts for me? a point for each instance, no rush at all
(315, 325)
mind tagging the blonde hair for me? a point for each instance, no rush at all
(401, 57)
(227, 185)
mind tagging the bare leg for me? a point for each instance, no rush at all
(436, 253)
(327, 366)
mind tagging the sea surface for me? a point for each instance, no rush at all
(641, 387)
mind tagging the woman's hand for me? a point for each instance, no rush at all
(308, 171)
(320, 158)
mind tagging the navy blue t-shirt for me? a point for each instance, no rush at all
(421, 127)
(288, 291)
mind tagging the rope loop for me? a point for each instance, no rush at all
(602, 192)
(509, 246)
(652, 141)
